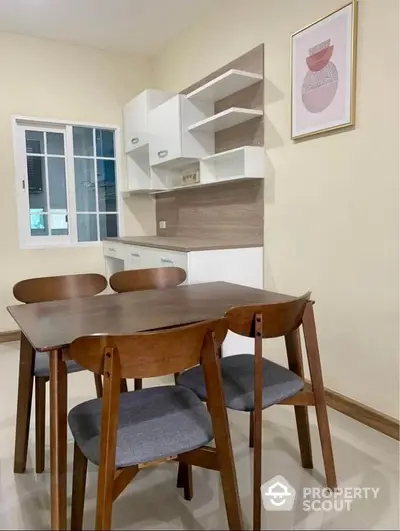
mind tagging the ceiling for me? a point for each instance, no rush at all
(129, 26)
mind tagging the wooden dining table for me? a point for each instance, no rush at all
(52, 326)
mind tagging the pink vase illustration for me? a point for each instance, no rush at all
(321, 82)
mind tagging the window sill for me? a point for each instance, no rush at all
(60, 246)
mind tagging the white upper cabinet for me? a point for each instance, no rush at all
(171, 143)
(136, 117)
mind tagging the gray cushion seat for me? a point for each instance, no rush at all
(154, 423)
(42, 367)
(238, 382)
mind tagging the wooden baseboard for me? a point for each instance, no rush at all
(364, 414)
(12, 335)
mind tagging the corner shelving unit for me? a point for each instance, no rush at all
(209, 117)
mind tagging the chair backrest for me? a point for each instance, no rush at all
(142, 279)
(45, 289)
(148, 354)
(276, 320)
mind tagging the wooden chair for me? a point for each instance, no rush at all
(143, 279)
(252, 383)
(49, 289)
(155, 424)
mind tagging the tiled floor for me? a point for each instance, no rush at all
(364, 458)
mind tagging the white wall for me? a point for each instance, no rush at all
(331, 203)
(47, 79)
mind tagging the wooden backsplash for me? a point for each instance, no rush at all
(230, 211)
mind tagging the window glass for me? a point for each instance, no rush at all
(104, 143)
(106, 186)
(83, 141)
(87, 227)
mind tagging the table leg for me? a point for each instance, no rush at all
(58, 440)
(24, 404)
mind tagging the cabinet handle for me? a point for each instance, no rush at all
(166, 261)
(135, 140)
(163, 153)
(136, 255)
(111, 249)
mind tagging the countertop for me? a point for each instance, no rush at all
(182, 244)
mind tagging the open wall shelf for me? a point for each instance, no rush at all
(224, 85)
(225, 119)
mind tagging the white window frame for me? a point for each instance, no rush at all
(19, 125)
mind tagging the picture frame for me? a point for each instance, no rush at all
(323, 73)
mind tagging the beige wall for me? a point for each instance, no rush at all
(46, 79)
(331, 212)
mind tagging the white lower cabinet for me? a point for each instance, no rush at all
(240, 266)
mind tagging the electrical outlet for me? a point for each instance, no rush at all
(162, 224)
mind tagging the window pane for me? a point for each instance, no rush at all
(87, 227)
(108, 225)
(85, 191)
(106, 189)
(37, 183)
(104, 143)
(57, 183)
(83, 141)
(34, 141)
(59, 222)
(55, 143)
(39, 223)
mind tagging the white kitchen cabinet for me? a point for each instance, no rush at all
(241, 266)
(136, 116)
(171, 143)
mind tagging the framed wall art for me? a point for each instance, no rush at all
(323, 73)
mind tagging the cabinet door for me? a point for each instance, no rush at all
(133, 258)
(165, 131)
(135, 122)
(138, 257)
(166, 258)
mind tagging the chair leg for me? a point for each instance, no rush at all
(257, 461)
(78, 489)
(40, 422)
(251, 430)
(185, 480)
(230, 490)
(295, 362)
(99, 385)
(123, 386)
(138, 384)
(303, 433)
(310, 337)
(104, 504)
